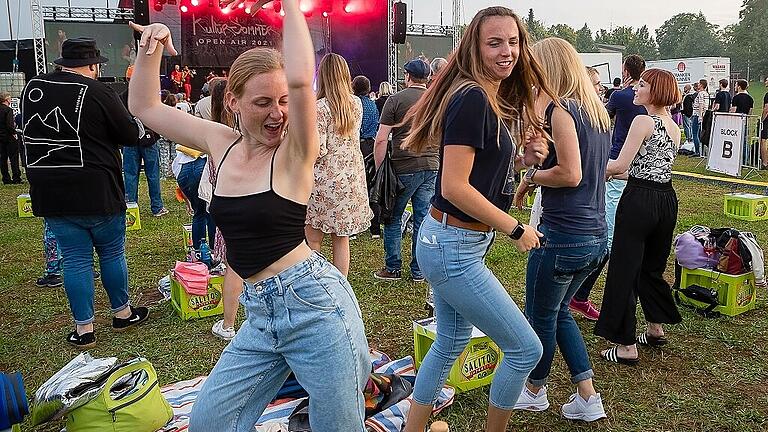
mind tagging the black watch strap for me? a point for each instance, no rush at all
(518, 232)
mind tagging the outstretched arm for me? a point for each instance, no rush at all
(144, 89)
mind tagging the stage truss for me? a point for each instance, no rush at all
(419, 29)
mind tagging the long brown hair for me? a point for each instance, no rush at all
(515, 101)
(219, 113)
(334, 83)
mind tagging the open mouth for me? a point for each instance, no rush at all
(273, 127)
(505, 64)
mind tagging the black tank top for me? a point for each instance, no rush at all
(259, 228)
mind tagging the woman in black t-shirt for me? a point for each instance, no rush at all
(476, 112)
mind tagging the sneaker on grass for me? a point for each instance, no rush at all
(50, 280)
(586, 309)
(221, 332)
(163, 211)
(138, 316)
(529, 401)
(83, 341)
(385, 274)
(579, 409)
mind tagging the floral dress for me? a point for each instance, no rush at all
(339, 201)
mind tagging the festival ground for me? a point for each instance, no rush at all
(709, 378)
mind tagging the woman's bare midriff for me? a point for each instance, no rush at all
(297, 255)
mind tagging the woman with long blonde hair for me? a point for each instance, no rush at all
(572, 181)
(302, 313)
(339, 202)
(478, 111)
(385, 91)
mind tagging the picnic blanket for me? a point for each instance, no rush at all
(182, 395)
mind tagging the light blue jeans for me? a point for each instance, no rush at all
(306, 320)
(132, 157)
(695, 131)
(467, 293)
(613, 191)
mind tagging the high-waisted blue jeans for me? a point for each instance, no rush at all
(466, 294)
(306, 320)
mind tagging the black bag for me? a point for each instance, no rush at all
(386, 187)
(703, 295)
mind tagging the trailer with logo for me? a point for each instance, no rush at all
(690, 70)
(607, 64)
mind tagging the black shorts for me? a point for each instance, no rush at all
(764, 134)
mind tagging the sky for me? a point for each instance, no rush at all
(596, 13)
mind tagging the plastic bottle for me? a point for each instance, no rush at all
(205, 253)
(191, 254)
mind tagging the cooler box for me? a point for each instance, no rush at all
(198, 306)
(475, 366)
(24, 204)
(132, 217)
(187, 232)
(746, 206)
(735, 293)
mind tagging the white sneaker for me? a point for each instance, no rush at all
(220, 332)
(530, 401)
(579, 409)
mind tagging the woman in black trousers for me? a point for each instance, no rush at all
(645, 221)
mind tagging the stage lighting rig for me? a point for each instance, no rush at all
(184, 6)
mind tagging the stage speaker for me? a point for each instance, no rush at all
(141, 12)
(401, 23)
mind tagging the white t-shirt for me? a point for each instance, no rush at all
(184, 107)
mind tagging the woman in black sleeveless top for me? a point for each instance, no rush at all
(302, 313)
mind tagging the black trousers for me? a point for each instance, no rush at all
(9, 153)
(642, 240)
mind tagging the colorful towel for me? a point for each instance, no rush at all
(181, 396)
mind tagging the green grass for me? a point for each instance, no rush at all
(757, 90)
(710, 378)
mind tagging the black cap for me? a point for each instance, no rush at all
(78, 52)
(418, 68)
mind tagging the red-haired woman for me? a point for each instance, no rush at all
(645, 220)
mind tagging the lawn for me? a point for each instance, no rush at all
(711, 377)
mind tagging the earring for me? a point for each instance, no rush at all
(236, 124)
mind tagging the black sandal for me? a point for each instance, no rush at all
(650, 340)
(612, 355)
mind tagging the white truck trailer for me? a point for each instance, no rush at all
(690, 70)
(608, 64)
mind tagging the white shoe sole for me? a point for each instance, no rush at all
(584, 416)
(531, 407)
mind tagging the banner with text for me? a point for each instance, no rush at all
(212, 39)
(726, 143)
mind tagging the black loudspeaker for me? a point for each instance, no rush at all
(141, 12)
(401, 23)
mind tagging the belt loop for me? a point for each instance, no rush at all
(444, 221)
(279, 284)
(246, 288)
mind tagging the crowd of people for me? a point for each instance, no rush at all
(457, 137)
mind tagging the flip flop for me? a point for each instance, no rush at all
(650, 340)
(612, 355)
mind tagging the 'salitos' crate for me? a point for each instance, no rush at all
(24, 204)
(132, 217)
(735, 293)
(475, 366)
(198, 306)
(187, 232)
(746, 206)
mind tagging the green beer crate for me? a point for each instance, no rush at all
(24, 205)
(735, 293)
(198, 306)
(475, 366)
(746, 206)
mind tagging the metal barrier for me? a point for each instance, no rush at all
(751, 158)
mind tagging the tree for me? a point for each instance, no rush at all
(747, 41)
(638, 41)
(689, 35)
(585, 43)
(564, 31)
(536, 28)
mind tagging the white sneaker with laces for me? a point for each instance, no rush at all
(220, 332)
(529, 401)
(579, 409)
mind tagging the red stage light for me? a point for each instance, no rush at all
(348, 8)
(277, 5)
(158, 7)
(226, 10)
(305, 6)
(241, 5)
(325, 14)
(248, 10)
(195, 3)
(184, 8)
(282, 13)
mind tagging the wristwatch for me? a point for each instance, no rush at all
(518, 231)
(529, 175)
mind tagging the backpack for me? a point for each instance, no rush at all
(735, 257)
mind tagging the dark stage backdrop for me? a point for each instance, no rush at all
(362, 40)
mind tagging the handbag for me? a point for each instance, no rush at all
(386, 187)
(129, 402)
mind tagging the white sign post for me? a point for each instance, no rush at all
(726, 143)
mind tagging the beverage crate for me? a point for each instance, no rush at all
(24, 205)
(132, 217)
(746, 206)
(735, 293)
(198, 306)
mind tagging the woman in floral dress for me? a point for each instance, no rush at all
(339, 202)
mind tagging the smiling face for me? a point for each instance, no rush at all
(263, 107)
(642, 93)
(499, 46)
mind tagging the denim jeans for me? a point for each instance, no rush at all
(613, 191)
(688, 127)
(554, 273)
(466, 293)
(189, 181)
(306, 320)
(695, 130)
(419, 188)
(77, 237)
(132, 157)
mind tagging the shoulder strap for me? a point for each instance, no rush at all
(272, 169)
(221, 162)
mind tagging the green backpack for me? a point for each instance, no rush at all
(142, 409)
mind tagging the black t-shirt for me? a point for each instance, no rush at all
(610, 91)
(724, 99)
(73, 128)
(470, 121)
(688, 104)
(743, 103)
(765, 102)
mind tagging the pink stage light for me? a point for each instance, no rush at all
(184, 8)
(325, 14)
(305, 6)
(241, 5)
(195, 3)
(248, 10)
